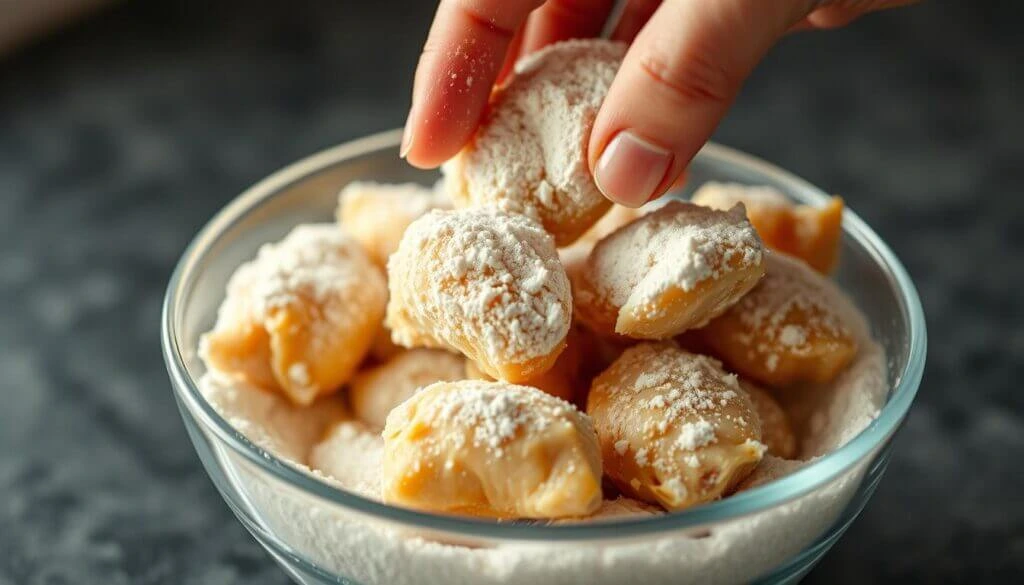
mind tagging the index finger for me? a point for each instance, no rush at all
(462, 57)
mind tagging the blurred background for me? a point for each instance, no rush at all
(122, 131)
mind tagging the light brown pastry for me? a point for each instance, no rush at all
(672, 270)
(377, 214)
(484, 283)
(674, 427)
(812, 234)
(491, 449)
(300, 317)
(793, 327)
(529, 154)
(776, 430)
(376, 391)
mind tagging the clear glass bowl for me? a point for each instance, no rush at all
(321, 534)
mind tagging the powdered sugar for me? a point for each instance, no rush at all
(677, 246)
(530, 153)
(479, 280)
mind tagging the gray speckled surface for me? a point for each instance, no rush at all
(119, 137)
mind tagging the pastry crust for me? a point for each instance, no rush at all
(529, 154)
(791, 328)
(674, 427)
(300, 317)
(491, 449)
(484, 283)
(672, 270)
(812, 234)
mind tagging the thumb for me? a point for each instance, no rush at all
(676, 82)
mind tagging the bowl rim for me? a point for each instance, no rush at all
(801, 482)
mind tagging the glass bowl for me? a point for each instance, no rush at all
(321, 534)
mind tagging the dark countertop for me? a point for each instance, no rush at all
(121, 136)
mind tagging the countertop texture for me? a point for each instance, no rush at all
(120, 136)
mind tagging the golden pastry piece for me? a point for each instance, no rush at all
(491, 449)
(776, 431)
(529, 154)
(672, 270)
(301, 316)
(791, 328)
(674, 427)
(485, 283)
(377, 214)
(564, 380)
(812, 234)
(375, 392)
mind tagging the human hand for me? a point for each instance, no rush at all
(687, 62)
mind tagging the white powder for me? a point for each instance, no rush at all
(351, 455)
(696, 435)
(479, 279)
(677, 246)
(530, 154)
(495, 413)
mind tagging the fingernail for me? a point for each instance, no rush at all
(406, 138)
(630, 169)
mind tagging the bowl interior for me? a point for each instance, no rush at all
(307, 192)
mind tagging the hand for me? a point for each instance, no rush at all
(686, 64)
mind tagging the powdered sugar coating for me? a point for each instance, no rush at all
(484, 282)
(671, 270)
(674, 427)
(492, 449)
(300, 316)
(530, 153)
(794, 326)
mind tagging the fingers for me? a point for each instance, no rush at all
(462, 57)
(559, 20)
(675, 84)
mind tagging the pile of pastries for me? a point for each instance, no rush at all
(517, 365)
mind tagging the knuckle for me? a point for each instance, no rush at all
(695, 74)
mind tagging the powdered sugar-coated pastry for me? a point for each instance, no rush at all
(374, 392)
(672, 270)
(574, 256)
(491, 449)
(376, 214)
(301, 316)
(483, 282)
(564, 380)
(529, 154)
(812, 234)
(621, 508)
(675, 428)
(351, 454)
(776, 430)
(795, 326)
(770, 469)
